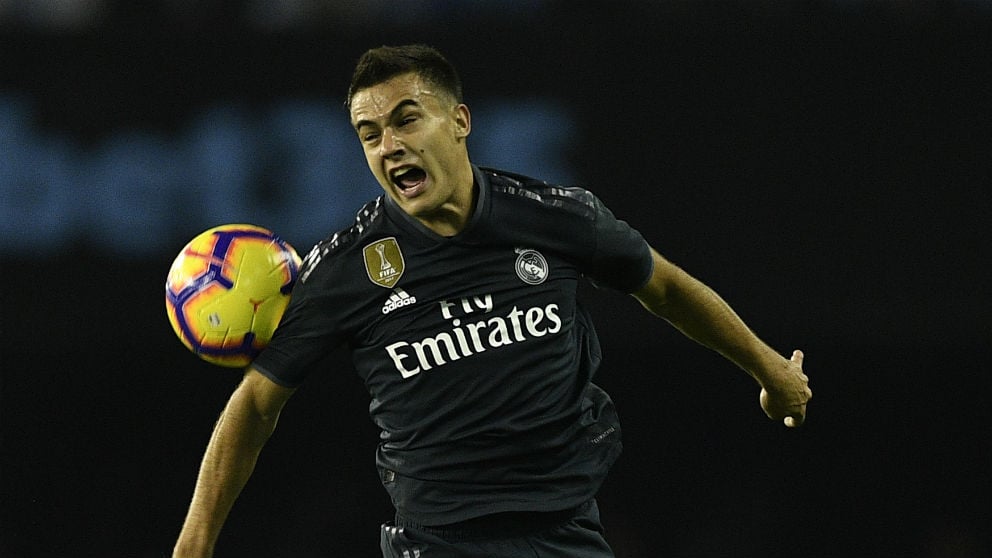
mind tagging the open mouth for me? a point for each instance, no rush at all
(409, 178)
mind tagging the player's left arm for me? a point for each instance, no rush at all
(702, 315)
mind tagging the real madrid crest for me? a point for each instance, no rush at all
(531, 266)
(384, 262)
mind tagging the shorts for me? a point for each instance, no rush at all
(577, 533)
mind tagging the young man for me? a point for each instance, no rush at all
(456, 292)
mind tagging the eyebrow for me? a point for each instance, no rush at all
(399, 107)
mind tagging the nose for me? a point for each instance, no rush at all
(390, 145)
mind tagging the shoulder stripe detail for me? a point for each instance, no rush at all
(570, 198)
(366, 215)
(363, 219)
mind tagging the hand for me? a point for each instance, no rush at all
(785, 396)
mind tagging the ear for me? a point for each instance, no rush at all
(463, 121)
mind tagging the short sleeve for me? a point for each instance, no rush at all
(621, 258)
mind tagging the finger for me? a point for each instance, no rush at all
(797, 357)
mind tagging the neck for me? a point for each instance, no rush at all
(453, 216)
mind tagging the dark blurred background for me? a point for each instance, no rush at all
(824, 165)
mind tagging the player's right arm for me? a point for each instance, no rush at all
(244, 427)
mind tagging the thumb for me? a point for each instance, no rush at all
(797, 357)
(793, 421)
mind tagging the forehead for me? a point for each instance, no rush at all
(375, 103)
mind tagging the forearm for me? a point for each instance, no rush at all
(702, 315)
(228, 462)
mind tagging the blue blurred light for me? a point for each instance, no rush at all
(294, 167)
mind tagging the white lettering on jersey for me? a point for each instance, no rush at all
(462, 341)
(468, 305)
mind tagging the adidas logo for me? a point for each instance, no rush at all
(397, 299)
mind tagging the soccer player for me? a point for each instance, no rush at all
(456, 294)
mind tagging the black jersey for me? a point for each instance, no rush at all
(473, 348)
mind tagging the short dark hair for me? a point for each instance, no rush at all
(383, 63)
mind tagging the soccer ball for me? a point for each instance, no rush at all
(227, 290)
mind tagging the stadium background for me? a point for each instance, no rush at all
(824, 165)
